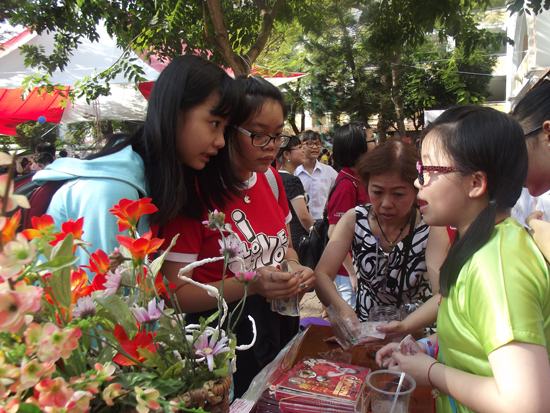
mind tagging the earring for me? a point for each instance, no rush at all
(288, 160)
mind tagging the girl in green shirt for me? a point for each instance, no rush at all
(494, 315)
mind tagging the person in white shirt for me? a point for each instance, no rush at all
(316, 177)
(527, 204)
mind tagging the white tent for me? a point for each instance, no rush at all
(125, 100)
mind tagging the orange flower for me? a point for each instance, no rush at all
(10, 226)
(79, 285)
(142, 341)
(140, 247)
(69, 227)
(42, 226)
(99, 262)
(129, 212)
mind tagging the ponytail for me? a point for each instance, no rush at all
(476, 236)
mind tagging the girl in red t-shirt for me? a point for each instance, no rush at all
(241, 184)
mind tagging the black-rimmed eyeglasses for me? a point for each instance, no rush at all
(312, 144)
(422, 169)
(262, 139)
(532, 131)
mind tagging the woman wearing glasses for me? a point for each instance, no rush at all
(290, 157)
(387, 238)
(258, 212)
(533, 114)
(493, 320)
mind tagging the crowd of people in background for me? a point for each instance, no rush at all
(429, 230)
(45, 154)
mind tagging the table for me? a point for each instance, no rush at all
(313, 344)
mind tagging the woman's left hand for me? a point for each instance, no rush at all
(416, 365)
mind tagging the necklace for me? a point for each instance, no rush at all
(390, 243)
(247, 184)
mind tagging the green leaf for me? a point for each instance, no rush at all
(28, 408)
(57, 263)
(106, 354)
(120, 313)
(156, 265)
(60, 281)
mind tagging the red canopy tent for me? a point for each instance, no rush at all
(14, 110)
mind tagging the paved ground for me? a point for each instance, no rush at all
(310, 306)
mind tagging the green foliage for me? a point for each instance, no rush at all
(31, 134)
(433, 77)
(164, 28)
(341, 79)
(371, 57)
(119, 313)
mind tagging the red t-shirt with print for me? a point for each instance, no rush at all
(256, 217)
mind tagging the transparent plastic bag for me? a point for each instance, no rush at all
(289, 306)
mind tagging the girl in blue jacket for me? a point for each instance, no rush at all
(183, 131)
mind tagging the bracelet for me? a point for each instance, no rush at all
(429, 371)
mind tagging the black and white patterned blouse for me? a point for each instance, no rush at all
(378, 284)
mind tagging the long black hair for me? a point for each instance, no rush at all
(348, 144)
(481, 139)
(185, 83)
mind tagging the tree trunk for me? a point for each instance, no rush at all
(221, 39)
(241, 65)
(396, 95)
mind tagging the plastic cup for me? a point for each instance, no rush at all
(382, 387)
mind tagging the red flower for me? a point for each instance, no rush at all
(142, 341)
(10, 226)
(99, 262)
(161, 287)
(98, 283)
(69, 227)
(140, 247)
(129, 212)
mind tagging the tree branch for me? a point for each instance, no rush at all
(221, 38)
(265, 31)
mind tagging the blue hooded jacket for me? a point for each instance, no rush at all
(94, 186)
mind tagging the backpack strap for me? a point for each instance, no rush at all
(39, 196)
(272, 182)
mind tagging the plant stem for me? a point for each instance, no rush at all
(6, 194)
(241, 304)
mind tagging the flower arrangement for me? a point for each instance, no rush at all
(108, 336)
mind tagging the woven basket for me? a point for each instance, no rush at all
(213, 396)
